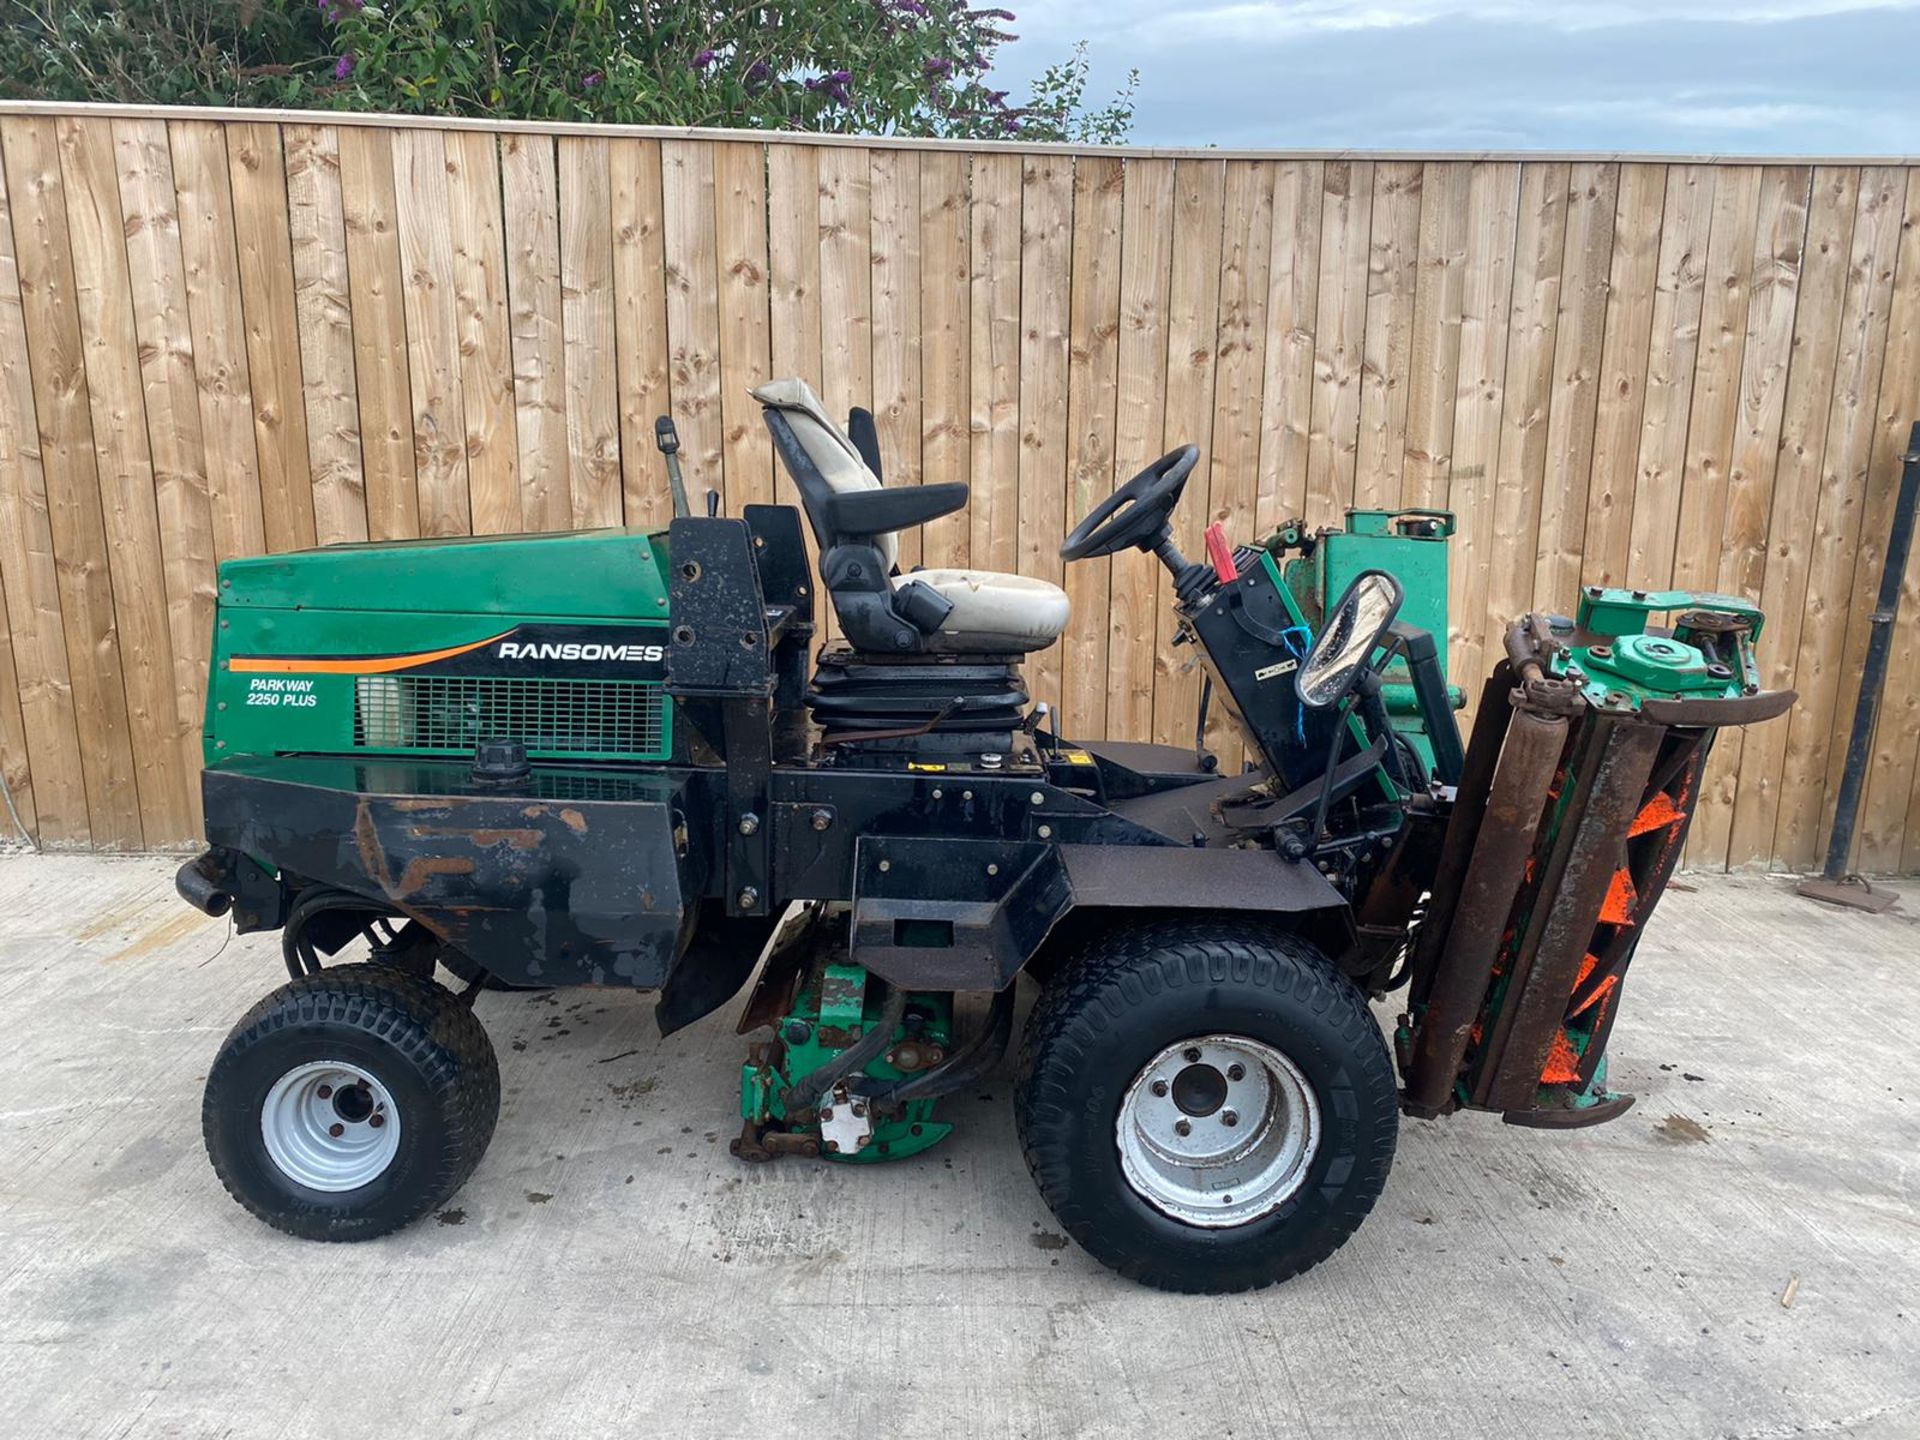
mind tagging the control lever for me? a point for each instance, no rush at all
(668, 439)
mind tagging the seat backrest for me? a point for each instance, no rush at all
(830, 449)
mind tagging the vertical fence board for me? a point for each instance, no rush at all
(946, 441)
(1632, 285)
(640, 327)
(1693, 546)
(1480, 394)
(184, 532)
(1293, 300)
(586, 320)
(693, 314)
(1592, 200)
(483, 333)
(382, 366)
(317, 228)
(1511, 524)
(1393, 272)
(896, 325)
(995, 361)
(257, 171)
(1339, 339)
(740, 223)
(1819, 668)
(49, 772)
(1434, 350)
(846, 279)
(1146, 275)
(793, 256)
(425, 228)
(1232, 468)
(1092, 401)
(1046, 249)
(1679, 296)
(1193, 319)
(211, 267)
(530, 196)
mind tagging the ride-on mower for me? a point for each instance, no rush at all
(614, 759)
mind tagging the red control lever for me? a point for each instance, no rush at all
(1220, 552)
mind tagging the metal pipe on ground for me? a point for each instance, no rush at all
(1837, 885)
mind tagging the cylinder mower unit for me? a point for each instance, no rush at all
(623, 759)
(1582, 773)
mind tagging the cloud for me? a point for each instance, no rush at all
(1802, 77)
(1272, 20)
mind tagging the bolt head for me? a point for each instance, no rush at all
(822, 819)
(1160, 1087)
(376, 1120)
(749, 898)
(749, 823)
(336, 1129)
(1038, 797)
(1229, 1117)
(1191, 1054)
(1183, 1127)
(1236, 1072)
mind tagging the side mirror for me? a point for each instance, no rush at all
(1347, 640)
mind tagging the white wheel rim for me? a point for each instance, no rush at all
(330, 1125)
(1218, 1131)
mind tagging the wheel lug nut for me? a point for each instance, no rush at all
(1236, 1072)
(1182, 1127)
(1160, 1087)
(1191, 1054)
(1229, 1117)
(376, 1121)
(336, 1129)
(326, 1092)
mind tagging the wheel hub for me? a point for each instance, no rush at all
(330, 1125)
(1218, 1131)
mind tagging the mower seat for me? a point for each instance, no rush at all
(856, 522)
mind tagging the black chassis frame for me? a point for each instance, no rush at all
(672, 876)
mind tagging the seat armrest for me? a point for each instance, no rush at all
(881, 512)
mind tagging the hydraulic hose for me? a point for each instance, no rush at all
(958, 1070)
(805, 1092)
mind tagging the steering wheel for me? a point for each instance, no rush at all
(1133, 517)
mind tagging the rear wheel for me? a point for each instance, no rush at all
(349, 1103)
(1206, 1104)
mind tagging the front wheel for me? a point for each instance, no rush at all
(1206, 1104)
(351, 1102)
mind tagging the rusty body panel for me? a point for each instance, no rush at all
(543, 888)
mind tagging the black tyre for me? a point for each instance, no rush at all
(461, 967)
(350, 1103)
(1206, 1104)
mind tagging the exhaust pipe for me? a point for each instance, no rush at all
(201, 883)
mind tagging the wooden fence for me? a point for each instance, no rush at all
(229, 332)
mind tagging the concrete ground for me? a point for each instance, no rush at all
(1739, 1256)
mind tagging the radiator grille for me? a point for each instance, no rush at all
(448, 714)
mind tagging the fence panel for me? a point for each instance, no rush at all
(223, 332)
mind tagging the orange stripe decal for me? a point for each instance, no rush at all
(362, 665)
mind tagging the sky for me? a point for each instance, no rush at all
(1761, 77)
